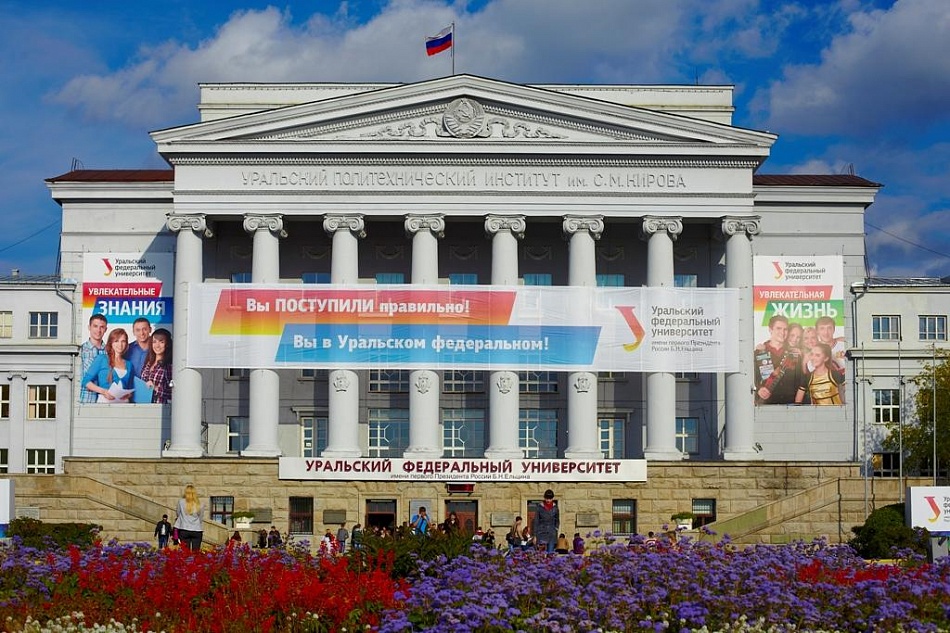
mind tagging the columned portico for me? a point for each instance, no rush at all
(504, 391)
(740, 405)
(660, 232)
(343, 438)
(582, 431)
(186, 403)
(425, 439)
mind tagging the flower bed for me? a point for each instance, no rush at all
(689, 587)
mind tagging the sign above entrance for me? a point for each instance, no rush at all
(461, 470)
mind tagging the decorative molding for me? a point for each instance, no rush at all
(241, 251)
(538, 253)
(61, 375)
(315, 252)
(389, 252)
(735, 225)
(341, 382)
(611, 253)
(498, 161)
(196, 222)
(496, 223)
(423, 382)
(583, 382)
(654, 225)
(463, 253)
(434, 223)
(685, 253)
(16, 374)
(593, 224)
(352, 223)
(505, 382)
(254, 222)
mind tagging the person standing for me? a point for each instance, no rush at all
(140, 347)
(158, 366)
(89, 350)
(190, 519)
(778, 368)
(163, 531)
(357, 536)
(420, 522)
(547, 522)
(341, 536)
(111, 369)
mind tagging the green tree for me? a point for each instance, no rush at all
(918, 433)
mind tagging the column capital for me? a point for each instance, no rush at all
(495, 224)
(16, 374)
(434, 223)
(656, 224)
(343, 222)
(272, 222)
(196, 222)
(735, 225)
(593, 224)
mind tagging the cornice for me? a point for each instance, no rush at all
(698, 163)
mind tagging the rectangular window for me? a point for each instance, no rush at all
(389, 381)
(886, 328)
(315, 278)
(463, 433)
(44, 324)
(612, 436)
(466, 381)
(887, 406)
(686, 376)
(388, 432)
(41, 402)
(390, 278)
(221, 510)
(933, 328)
(40, 461)
(4, 402)
(240, 278)
(610, 376)
(886, 464)
(538, 381)
(624, 516)
(310, 373)
(704, 512)
(239, 373)
(301, 515)
(6, 324)
(538, 279)
(313, 435)
(687, 435)
(463, 279)
(610, 281)
(685, 281)
(537, 433)
(239, 433)
(4, 460)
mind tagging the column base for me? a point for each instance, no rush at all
(422, 453)
(583, 453)
(342, 453)
(183, 451)
(736, 455)
(503, 453)
(663, 455)
(261, 452)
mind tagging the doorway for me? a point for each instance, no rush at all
(467, 512)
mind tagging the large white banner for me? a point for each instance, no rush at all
(929, 507)
(480, 327)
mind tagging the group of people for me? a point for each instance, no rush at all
(800, 365)
(111, 365)
(543, 534)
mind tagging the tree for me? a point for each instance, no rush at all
(918, 434)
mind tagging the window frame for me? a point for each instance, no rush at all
(300, 516)
(685, 437)
(545, 422)
(701, 514)
(893, 330)
(612, 435)
(4, 460)
(888, 412)
(45, 466)
(454, 432)
(35, 405)
(44, 325)
(936, 333)
(6, 323)
(5, 401)
(623, 514)
(317, 427)
(221, 507)
(242, 434)
(379, 422)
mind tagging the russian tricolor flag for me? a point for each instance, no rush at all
(439, 43)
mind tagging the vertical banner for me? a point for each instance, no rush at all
(799, 328)
(128, 294)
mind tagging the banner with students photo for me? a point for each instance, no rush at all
(551, 328)
(130, 293)
(798, 308)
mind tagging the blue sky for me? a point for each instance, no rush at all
(860, 85)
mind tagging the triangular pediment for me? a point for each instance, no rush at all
(463, 110)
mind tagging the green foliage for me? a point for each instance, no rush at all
(34, 533)
(884, 532)
(682, 516)
(407, 549)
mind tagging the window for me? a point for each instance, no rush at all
(239, 434)
(313, 435)
(315, 278)
(537, 381)
(685, 281)
(537, 279)
(933, 328)
(44, 324)
(886, 464)
(704, 512)
(610, 376)
(389, 381)
(687, 435)
(686, 376)
(314, 374)
(221, 510)
(301, 515)
(610, 281)
(463, 381)
(624, 516)
(886, 328)
(4, 402)
(612, 435)
(240, 278)
(6, 324)
(463, 279)
(4, 460)
(388, 432)
(390, 278)
(40, 461)
(537, 433)
(239, 373)
(42, 402)
(463, 433)
(887, 406)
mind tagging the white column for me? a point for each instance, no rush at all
(425, 436)
(504, 392)
(64, 399)
(583, 438)
(186, 382)
(16, 456)
(264, 383)
(660, 385)
(343, 439)
(740, 385)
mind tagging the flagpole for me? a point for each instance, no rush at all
(453, 49)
